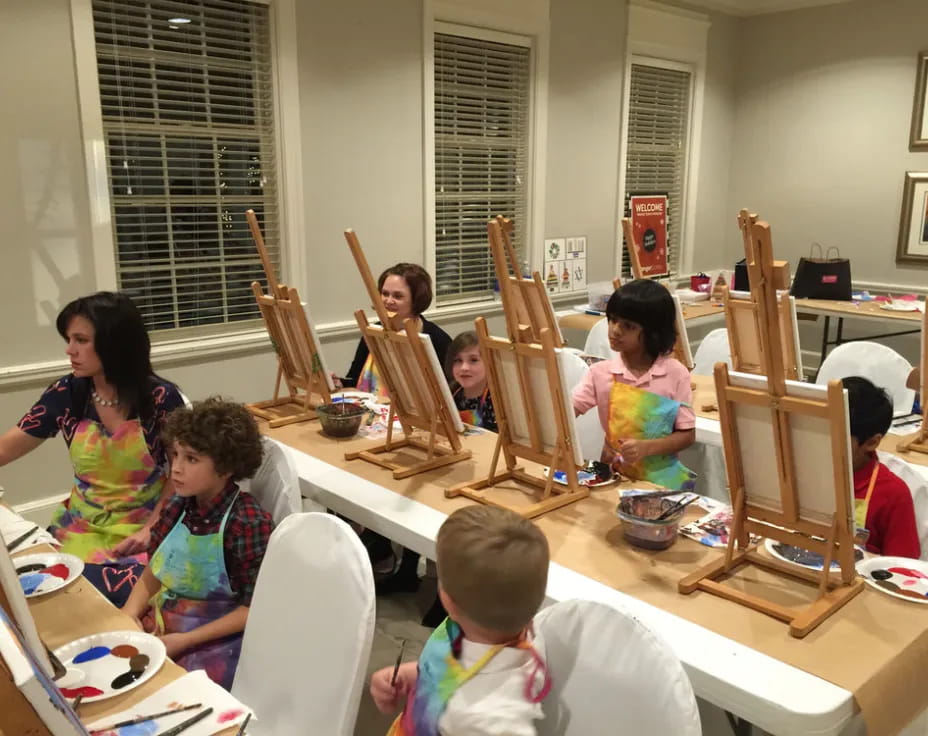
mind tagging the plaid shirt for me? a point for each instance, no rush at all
(245, 539)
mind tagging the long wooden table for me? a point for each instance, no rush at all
(737, 658)
(692, 313)
(78, 610)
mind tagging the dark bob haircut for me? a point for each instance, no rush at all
(650, 305)
(870, 412)
(418, 281)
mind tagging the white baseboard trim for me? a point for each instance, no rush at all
(40, 511)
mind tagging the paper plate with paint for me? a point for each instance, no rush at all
(804, 557)
(46, 572)
(900, 577)
(112, 663)
(900, 306)
(358, 397)
(586, 476)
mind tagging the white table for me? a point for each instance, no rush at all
(773, 695)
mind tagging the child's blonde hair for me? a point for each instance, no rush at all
(494, 566)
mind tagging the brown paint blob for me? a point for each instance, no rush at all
(125, 651)
(138, 663)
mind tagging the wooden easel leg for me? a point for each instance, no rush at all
(389, 441)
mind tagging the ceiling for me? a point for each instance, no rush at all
(758, 7)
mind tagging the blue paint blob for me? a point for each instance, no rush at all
(32, 581)
(139, 729)
(91, 654)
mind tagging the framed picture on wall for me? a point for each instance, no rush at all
(918, 139)
(913, 225)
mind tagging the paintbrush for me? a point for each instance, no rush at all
(396, 667)
(181, 727)
(142, 719)
(241, 730)
(77, 701)
(678, 506)
(21, 538)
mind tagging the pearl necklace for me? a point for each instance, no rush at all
(103, 402)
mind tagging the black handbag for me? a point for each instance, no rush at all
(741, 283)
(822, 278)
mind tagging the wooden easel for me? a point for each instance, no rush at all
(919, 441)
(525, 301)
(531, 405)
(743, 320)
(787, 502)
(299, 357)
(419, 396)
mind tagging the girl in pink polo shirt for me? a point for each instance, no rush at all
(643, 394)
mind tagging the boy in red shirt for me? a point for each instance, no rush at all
(882, 501)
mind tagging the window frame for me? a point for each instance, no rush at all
(525, 29)
(189, 341)
(683, 246)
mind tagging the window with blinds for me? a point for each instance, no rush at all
(482, 101)
(186, 92)
(658, 127)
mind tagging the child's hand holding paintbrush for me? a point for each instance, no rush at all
(391, 684)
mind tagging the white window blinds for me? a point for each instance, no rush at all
(482, 103)
(186, 92)
(658, 126)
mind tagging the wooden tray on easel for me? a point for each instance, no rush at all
(775, 434)
(300, 363)
(419, 395)
(536, 423)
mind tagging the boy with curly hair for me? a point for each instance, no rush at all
(207, 547)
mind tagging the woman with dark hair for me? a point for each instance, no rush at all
(110, 410)
(406, 290)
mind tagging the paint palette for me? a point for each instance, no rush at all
(804, 557)
(900, 306)
(109, 663)
(46, 572)
(899, 577)
(586, 476)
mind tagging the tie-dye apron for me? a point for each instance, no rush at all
(441, 674)
(862, 507)
(195, 590)
(117, 483)
(638, 414)
(370, 380)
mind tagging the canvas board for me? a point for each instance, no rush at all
(19, 611)
(748, 339)
(683, 339)
(812, 452)
(412, 383)
(539, 394)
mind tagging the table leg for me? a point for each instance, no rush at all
(838, 339)
(739, 726)
(825, 330)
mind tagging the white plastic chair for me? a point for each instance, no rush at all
(611, 674)
(276, 485)
(713, 349)
(589, 429)
(916, 478)
(308, 638)
(876, 362)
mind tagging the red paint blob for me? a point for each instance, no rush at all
(229, 715)
(87, 692)
(59, 571)
(909, 571)
(910, 582)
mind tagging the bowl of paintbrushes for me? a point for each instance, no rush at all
(652, 520)
(342, 419)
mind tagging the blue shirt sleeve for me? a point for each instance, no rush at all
(44, 419)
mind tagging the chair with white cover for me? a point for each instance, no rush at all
(611, 674)
(916, 478)
(310, 628)
(597, 341)
(713, 349)
(876, 362)
(276, 485)
(589, 429)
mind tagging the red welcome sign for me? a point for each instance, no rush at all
(649, 225)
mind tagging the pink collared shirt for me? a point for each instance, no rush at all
(667, 377)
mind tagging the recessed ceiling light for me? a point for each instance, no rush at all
(179, 21)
